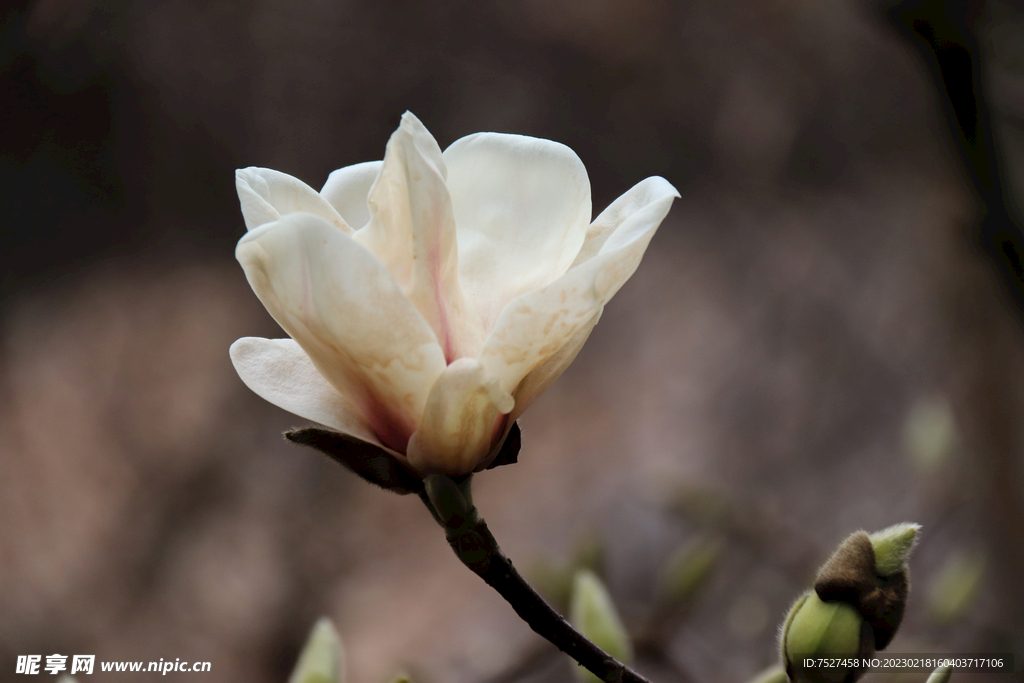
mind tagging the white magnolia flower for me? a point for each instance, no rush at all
(431, 297)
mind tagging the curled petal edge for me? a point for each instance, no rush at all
(347, 190)
(648, 191)
(265, 195)
(535, 326)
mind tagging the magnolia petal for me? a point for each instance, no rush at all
(266, 195)
(541, 377)
(535, 326)
(645, 192)
(461, 420)
(347, 190)
(412, 232)
(346, 312)
(522, 206)
(280, 372)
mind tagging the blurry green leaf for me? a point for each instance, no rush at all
(941, 675)
(892, 547)
(401, 678)
(687, 569)
(593, 614)
(929, 433)
(954, 587)
(322, 659)
(67, 679)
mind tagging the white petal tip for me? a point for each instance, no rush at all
(240, 348)
(247, 177)
(658, 186)
(411, 123)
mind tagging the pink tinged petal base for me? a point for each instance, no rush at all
(280, 372)
(412, 232)
(347, 190)
(266, 195)
(347, 313)
(536, 326)
(522, 206)
(463, 418)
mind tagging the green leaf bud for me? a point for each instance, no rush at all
(322, 659)
(892, 547)
(593, 613)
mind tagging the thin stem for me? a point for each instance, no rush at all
(476, 548)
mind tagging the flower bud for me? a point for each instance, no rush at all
(819, 629)
(870, 573)
(856, 606)
(322, 659)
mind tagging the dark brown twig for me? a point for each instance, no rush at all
(476, 548)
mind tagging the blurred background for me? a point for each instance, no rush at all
(817, 341)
